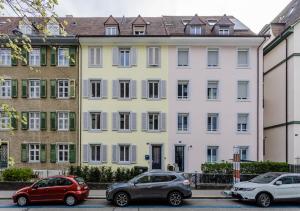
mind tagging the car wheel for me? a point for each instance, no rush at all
(175, 198)
(264, 200)
(70, 200)
(22, 201)
(121, 199)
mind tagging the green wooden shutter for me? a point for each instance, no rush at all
(43, 52)
(53, 56)
(14, 60)
(24, 88)
(25, 120)
(72, 121)
(43, 120)
(72, 152)
(43, 88)
(43, 158)
(24, 152)
(25, 56)
(53, 120)
(14, 121)
(72, 54)
(72, 88)
(14, 88)
(53, 153)
(53, 88)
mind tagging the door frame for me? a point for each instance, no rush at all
(162, 155)
(8, 151)
(184, 155)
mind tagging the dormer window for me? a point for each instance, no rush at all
(25, 29)
(195, 30)
(224, 31)
(139, 30)
(212, 22)
(111, 30)
(53, 29)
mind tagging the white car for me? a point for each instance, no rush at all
(269, 187)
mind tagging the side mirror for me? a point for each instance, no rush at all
(278, 182)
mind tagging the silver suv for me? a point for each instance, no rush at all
(171, 186)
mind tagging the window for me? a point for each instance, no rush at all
(224, 31)
(195, 30)
(183, 90)
(53, 29)
(212, 22)
(124, 153)
(5, 89)
(183, 57)
(213, 57)
(95, 88)
(95, 54)
(25, 29)
(96, 121)
(243, 57)
(212, 90)
(242, 122)
(153, 89)
(183, 122)
(4, 121)
(124, 121)
(124, 89)
(112, 30)
(34, 57)
(63, 88)
(243, 90)
(63, 120)
(34, 88)
(139, 30)
(95, 152)
(286, 180)
(124, 55)
(153, 56)
(153, 121)
(63, 153)
(63, 57)
(212, 154)
(34, 152)
(5, 57)
(212, 122)
(144, 179)
(296, 179)
(243, 153)
(34, 120)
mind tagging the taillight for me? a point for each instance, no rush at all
(186, 182)
(78, 187)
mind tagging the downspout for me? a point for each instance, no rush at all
(80, 100)
(286, 102)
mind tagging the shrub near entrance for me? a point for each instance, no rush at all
(17, 174)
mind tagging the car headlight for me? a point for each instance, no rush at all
(245, 189)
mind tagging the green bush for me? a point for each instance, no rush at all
(17, 174)
(246, 168)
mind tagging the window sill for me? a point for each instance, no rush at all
(34, 130)
(63, 130)
(6, 65)
(153, 131)
(95, 98)
(213, 132)
(95, 131)
(183, 99)
(34, 161)
(153, 66)
(241, 101)
(183, 67)
(124, 163)
(63, 66)
(5, 98)
(243, 67)
(95, 66)
(63, 98)
(154, 99)
(95, 162)
(5, 129)
(124, 99)
(34, 98)
(183, 132)
(213, 68)
(242, 133)
(124, 131)
(213, 100)
(62, 162)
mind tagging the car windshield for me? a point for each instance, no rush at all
(265, 178)
(79, 180)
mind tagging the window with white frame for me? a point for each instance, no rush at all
(111, 30)
(63, 57)
(4, 121)
(242, 122)
(153, 89)
(224, 31)
(183, 90)
(95, 88)
(34, 57)
(63, 120)
(34, 152)
(53, 29)
(124, 120)
(195, 30)
(63, 152)
(183, 57)
(243, 57)
(34, 121)
(183, 122)
(124, 153)
(153, 56)
(124, 89)
(212, 90)
(95, 54)
(95, 120)
(25, 28)
(243, 93)
(213, 57)
(95, 152)
(212, 154)
(243, 153)
(153, 121)
(212, 122)
(124, 55)
(5, 89)
(63, 88)
(5, 57)
(34, 88)
(139, 30)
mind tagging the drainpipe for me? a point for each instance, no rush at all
(80, 101)
(286, 101)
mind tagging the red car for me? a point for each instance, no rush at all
(69, 189)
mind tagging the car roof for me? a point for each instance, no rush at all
(152, 172)
(61, 176)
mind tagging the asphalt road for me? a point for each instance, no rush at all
(189, 205)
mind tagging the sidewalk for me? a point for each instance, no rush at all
(100, 194)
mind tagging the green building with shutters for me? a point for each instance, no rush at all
(44, 93)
